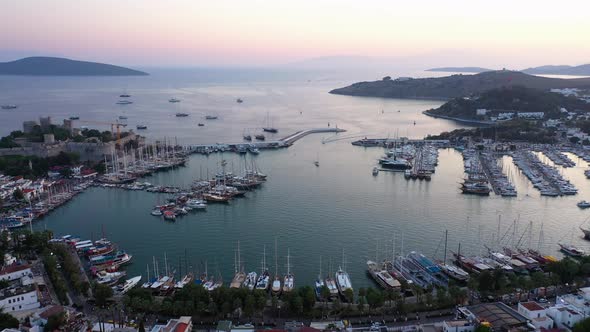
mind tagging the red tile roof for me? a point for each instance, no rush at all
(13, 268)
(532, 306)
(53, 310)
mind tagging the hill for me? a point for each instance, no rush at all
(459, 69)
(50, 66)
(509, 99)
(581, 70)
(454, 86)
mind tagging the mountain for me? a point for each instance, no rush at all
(456, 85)
(50, 66)
(460, 69)
(581, 70)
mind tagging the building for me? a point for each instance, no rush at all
(499, 316)
(45, 122)
(564, 316)
(28, 126)
(536, 314)
(15, 272)
(182, 324)
(458, 326)
(481, 111)
(531, 115)
(19, 298)
(579, 302)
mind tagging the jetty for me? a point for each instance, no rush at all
(284, 142)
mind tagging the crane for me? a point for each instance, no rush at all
(113, 125)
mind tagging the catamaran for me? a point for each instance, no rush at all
(289, 281)
(342, 278)
(263, 279)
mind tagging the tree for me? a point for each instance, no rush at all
(349, 295)
(483, 328)
(7, 321)
(582, 326)
(102, 293)
(18, 194)
(375, 298)
(54, 322)
(141, 327)
(574, 140)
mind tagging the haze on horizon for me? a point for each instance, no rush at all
(503, 33)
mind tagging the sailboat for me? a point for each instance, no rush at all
(276, 283)
(330, 283)
(319, 283)
(239, 276)
(269, 128)
(264, 277)
(450, 269)
(289, 282)
(342, 278)
(317, 160)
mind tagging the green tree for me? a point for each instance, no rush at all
(483, 328)
(7, 321)
(54, 322)
(349, 295)
(582, 326)
(375, 298)
(18, 194)
(102, 293)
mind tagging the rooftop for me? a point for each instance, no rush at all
(499, 315)
(532, 306)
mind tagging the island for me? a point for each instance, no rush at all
(51, 66)
(454, 86)
(581, 70)
(459, 69)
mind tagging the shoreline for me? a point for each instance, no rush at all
(475, 122)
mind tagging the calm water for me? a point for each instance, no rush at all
(313, 211)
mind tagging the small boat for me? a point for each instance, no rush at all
(201, 124)
(319, 283)
(270, 130)
(289, 281)
(124, 102)
(407, 174)
(382, 277)
(141, 127)
(253, 150)
(247, 137)
(586, 232)
(583, 204)
(9, 107)
(109, 278)
(173, 100)
(75, 117)
(156, 212)
(250, 281)
(124, 96)
(316, 163)
(181, 115)
(122, 117)
(239, 101)
(210, 117)
(260, 137)
(571, 250)
(342, 281)
(169, 215)
(375, 171)
(129, 283)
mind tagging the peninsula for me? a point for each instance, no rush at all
(581, 70)
(51, 66)
(455, 86)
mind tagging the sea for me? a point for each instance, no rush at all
(337, 213)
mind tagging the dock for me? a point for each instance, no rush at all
(284, 142)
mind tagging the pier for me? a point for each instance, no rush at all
(284, 142)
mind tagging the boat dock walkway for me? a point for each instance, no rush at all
(272, 144)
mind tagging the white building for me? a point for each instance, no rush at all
(458, 326)
(481, 111)
(536, 314)
(15, 272)
(564, 316)
(19, 298)
(531, 115)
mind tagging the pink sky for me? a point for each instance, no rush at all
(262, 32)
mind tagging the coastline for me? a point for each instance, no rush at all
(468, 121)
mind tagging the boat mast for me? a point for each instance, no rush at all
(165, 263)
(148, 272)
(446, 238)
(288, 261)
(320, 275)
(276, 259)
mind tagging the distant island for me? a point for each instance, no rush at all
(455, 86)
(460, 69)
(51, 66)
(581, 70)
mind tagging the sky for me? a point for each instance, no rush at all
(500, 33)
